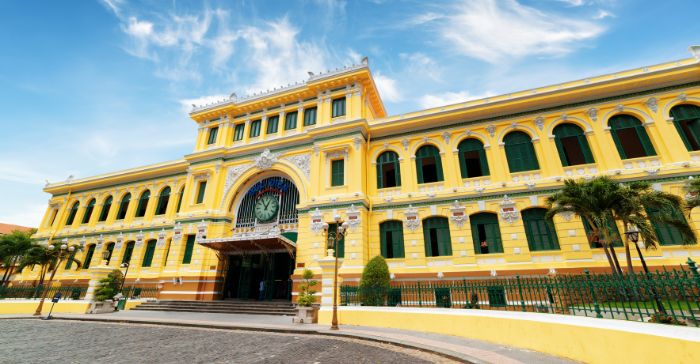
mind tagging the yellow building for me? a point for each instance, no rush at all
(445, 192)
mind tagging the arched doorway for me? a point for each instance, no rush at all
(261, 249)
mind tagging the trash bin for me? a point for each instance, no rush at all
(121, 304)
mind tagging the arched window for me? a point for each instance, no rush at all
(105, 209)
(596, 241)
(123, 206)
(572, 145)
(391, 238)
(667, 233)
(148, 255)
(472, 158)
(436, 236)
(486, 234)
(539, 230)
(128, 251)
(110, 249)
(428, 164)
(630, 137)
(179, 198)
(388, 170)
(88, 211)
(143, 203)
(520, 152)
(163, 201)
(72, 213)
(88, 256)
(686, 118)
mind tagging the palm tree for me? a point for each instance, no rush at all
(593, 202)
(12, 248)
(692, 199)
(47, 259)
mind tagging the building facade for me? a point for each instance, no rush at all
(442, 193)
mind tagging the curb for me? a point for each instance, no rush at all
(461, 358)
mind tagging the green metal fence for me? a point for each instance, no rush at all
(662, 296)
(35, 292)
(140, 291)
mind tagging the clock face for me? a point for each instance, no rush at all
(266, 207)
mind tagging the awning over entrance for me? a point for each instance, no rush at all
(254, 242)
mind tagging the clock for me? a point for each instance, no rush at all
(266, 207)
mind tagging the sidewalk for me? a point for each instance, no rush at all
(471, 351)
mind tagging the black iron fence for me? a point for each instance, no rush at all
(669, 296)
(70, 292)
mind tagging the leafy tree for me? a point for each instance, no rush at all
(306, 289)
(109, 286)
(374, 283)
(12, 247)
(693, 197)
(47, 259)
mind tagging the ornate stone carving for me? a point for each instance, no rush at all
(619, 108)
(652, 104)
(446, 137)
(411, 221)
(353, 217)
(682, 97)
(266, 159)
(567, 216)
(139, 239)
(201, 231)
(458, 216)
(357, 141)
(539, 121)
(120, 240)
(404, 142)
(593, 113)
(316, 220)
(231, 176)
(491, 129)
(509, 212)
(339, 153)
(303, 162)
(161, 238)
(177, 232)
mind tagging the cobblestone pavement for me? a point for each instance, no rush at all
(34, 341)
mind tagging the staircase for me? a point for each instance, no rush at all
(281, 308)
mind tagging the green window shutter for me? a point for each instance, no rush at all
(520, 152)
(110, 249)
(201, 189)
(148, 255)
(623, 123)
(338, 107)
(123, 206)
(383, 243)
(426, 238)
(384, 159)
(88, 211)
(380, 182)
(562, 153)
(238, 132)
(69, 261)
(667, 233)
(540, 232)
(255, 128)
(189, 247)
(272, 122)
(163, 200)
(310, 116)
(488, 224)
(72, 213)
(440, 226)
(618, 144)
(427, 152)
(340, 251)
(105, 209)
(586, 149)
(88, 256)
(179, 199)
(127, 252)
(444, 241)
(338, 172)
(143, 203)
(646, 142)
(612, 231)
(391, 236)
(419, 170)
(290, 121)
(212, 135)
(686, 119)
(472, 145)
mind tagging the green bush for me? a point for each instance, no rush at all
(109, 286)
(306, 292)
(374, 283)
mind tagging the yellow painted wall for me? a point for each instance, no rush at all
(17, 307)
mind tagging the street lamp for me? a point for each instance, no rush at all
(333, 238)
(124, 265)
(633, 236)
(61, 255)
(105, 256)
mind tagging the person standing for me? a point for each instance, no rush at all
(261, 296)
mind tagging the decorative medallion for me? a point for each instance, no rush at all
(539, 121)
(266, 159)
(316, 220)
(231, 176)
(446, 137)
(120, 239)
(177, 232)
(411, 221)
(353, 216)
(303, 162)
(404, 142)
(201, 231)
(593, 113)
(491, 129)
(652, 104)
(457, 214)
(509, 212)
(161, 238)
(139, 239)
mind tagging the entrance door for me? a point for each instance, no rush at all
(245, 272)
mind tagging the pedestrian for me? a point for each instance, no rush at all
(262, 291)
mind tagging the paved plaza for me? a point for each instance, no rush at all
(34, 341)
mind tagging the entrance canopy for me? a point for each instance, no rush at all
(254, 243)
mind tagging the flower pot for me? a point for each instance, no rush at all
(306, 315)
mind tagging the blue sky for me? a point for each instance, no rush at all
(88, 87)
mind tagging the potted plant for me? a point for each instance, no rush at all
(307, 310)
(106, 293)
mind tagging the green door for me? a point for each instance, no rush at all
(486, 233)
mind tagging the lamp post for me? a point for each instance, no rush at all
(633, 236)
(333, 238)
(105, 256)
(61, 255)
(124, 265)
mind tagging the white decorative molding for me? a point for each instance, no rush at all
(161, 238)
(457, 214)
(353, 216)
(316, 220)
(337, 153)
(411, 221)
(231, 176)
(139, 238)
(404, 142)
(446, 137)
(303, 162)
(652, 104)
(491, 129)
(509, 212)
(266, 159)
(539, 121)
(119, 241)
(201, 231)
(567, 216)
(177, 232)
(357, 141)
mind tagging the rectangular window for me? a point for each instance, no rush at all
(472, 161)
(338, 107)
(255, 128)
(53, 217)
(310, 116)
(201, 188)
(272, 122)
(127, 252)
(189, 247)
(88, 257)
(338, 172)
(340, 250)
(148, 256)
(212, 135)
(290, 121)
(238, 132)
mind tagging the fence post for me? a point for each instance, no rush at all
(694, 269)
(520, 291)
(595, 301)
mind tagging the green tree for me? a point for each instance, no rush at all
(693, 197)
(306, 289)
(109, 286)
(13, 246)
(47, 259)
(374, 283)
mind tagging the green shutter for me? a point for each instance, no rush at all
(88, 211)
(212, 135)
(123, 206)
(255, 128)
(444, 240)
(442, 229)
(425, 152)
(426, 238)
(646, 142)
(201, 190)
(71, 214)
(143, 203)
(290, 121)
(384, 159)
(624, 121)
(539, 231)
(338, 107)
(105, 209)
(189, 247)
(148, 256)
(88, 256)
(340, 249)
(238, 132)
(491, 229)
(163, 200)
(688, 115)
(472, 145)
(667, 233)
(520, 152)
(127, 252)
(179, 199)
(338, 172)
(586, 149)
(396, 242)
(69, 261)
(310, 116)
(272, 122)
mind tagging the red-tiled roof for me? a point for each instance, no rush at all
(8, 228)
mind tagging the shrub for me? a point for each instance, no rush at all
(374, 283)
(306, 292)
(109, 286)
(473, 301)
(666, 319)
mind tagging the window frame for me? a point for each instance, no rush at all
(337, 173)
(272, 127)
(617, 126)
(542, 236)
(212, 135)
(106, 208)
(338, 105)
(311, 119)
(238, 132)
(492, 227)
(464, 148)
(142, 207)
(291, 123)
(388, 157)
(163, 201)
(87, 215)
(520, 154)
(201, 190)
(397, 243)
(148, 254)
(254, 130)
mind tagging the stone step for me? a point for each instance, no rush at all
(252, 307)
(194, 308)
(214, 310)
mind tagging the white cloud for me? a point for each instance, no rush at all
(388, 89)
(448, 98)
(574, 2)
(602, 14)
(495, 31)
(113, 5)
(25, 214)
(420, 64)
(13, 170)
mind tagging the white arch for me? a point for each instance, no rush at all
(587, 128)
(473, 135)
(680, 99)
(514, 126)
(388, 148)
(622, 109)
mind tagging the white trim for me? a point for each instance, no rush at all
(189, 292)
